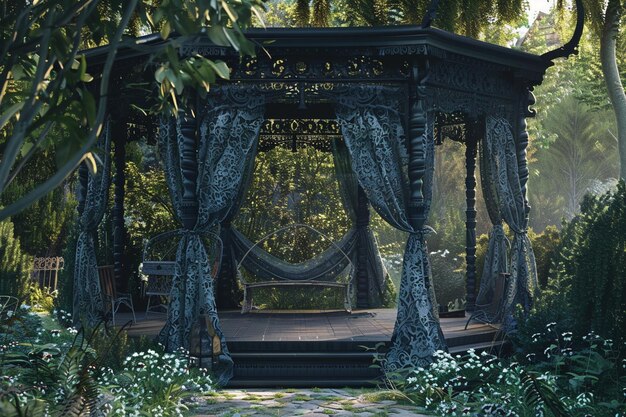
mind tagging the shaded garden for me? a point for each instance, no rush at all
(565, 355)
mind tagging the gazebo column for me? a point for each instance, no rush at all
(362, 221)
(471, 143)
(417, 152)
(527, 99)
(119, 228)
(189, 170)
(228, 293)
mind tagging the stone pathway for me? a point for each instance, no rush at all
(300, 402)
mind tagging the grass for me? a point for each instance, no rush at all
(385, 395)
(278, 395)
(227, 395)
(329, 398)
(301, 397)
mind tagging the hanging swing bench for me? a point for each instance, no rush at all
(332, 268)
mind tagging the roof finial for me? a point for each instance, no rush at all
(431, 14)
(571, 47)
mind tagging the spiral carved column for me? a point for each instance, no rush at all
(119, 228)
(189, 168)
(417, 150)
(470, 216)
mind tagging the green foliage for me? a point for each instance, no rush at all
(577, 325)
(484, 385)
(42, 227)
(545, 246)
(40, 299)
(48, 370)
(154, 383)
(580, 152)
(589, 364)
(288, 188)
(593, 269)
(56, 378)
(147, 204)
(15, 265)
(65, 289)
(390, 293)
(45, 105)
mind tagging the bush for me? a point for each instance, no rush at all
(15, 265)
(592, 266)
(49, 370)
(586, 289)
(545, 245)
(154, 383)
(562, 383)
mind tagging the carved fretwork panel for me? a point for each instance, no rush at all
(300, 127)
(450, 126)
(473, 87)
(296, 133)
(320, 65)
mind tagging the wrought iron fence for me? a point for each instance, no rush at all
(46, 272)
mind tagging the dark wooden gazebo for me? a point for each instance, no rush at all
(444, 86)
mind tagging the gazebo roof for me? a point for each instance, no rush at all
(381, 41)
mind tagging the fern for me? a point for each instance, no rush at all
(537, 393)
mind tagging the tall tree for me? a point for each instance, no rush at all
(605, 18)
(579, 154)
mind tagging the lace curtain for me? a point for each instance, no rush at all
(228, 131)
(490, 299)
(88, 304)
(505, 200)
(372, 128)
(349, 190)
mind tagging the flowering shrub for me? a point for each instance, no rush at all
(154, 384)
(483, 385)
(56, 371)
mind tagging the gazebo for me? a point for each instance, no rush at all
(388, 95)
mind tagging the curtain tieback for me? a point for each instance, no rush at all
(423, 232)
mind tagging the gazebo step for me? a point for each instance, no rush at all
(323, 364)
(300, 383)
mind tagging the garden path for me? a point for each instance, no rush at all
(301, 402)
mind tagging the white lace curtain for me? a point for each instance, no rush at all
(372, 129)
(88, 303)
(228, 133)
(505, 201)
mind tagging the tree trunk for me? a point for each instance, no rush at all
(608, 44)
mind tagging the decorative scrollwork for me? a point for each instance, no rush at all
(54, 263)
(204, 50)
(319, 66)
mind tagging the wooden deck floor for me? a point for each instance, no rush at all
(374, 325)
